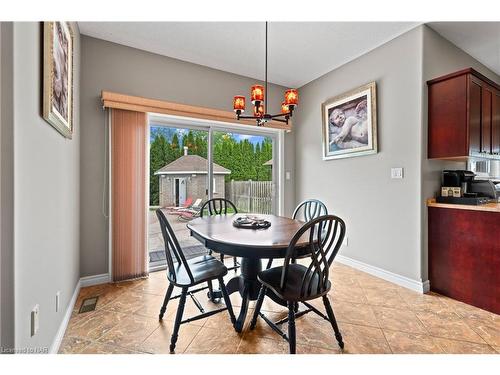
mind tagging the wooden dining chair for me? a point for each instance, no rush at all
(309, 209)
(298, 283)
(186, 274)
(219, 206)
(306, 211)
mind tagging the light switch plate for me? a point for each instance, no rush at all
(397, 173)
(35, 315)
(287, 175)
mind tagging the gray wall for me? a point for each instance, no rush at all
(113, 67)
(382, 215)
(46, 202)
(386, 219)
(6, 187)
(439, 57)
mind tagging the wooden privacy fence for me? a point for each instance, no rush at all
(251, 196)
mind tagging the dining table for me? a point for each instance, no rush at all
(219, 234)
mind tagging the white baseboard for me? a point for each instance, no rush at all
(83, 282)
(54, 348)
(417, 286)
(95, 280)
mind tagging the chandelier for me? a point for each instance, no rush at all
(258, 96)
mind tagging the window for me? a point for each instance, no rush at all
(192, 161)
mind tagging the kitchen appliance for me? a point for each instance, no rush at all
(459, 187)
(458, 178)
(486, 188)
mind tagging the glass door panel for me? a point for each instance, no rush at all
(243, 170)
(178, 183)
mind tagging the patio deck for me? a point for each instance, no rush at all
(190, 246)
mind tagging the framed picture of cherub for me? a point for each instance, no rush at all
(350, 123)
(58, 76)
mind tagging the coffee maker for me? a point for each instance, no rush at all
(458, 186)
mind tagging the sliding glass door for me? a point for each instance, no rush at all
(191, 162)
(247, 161)
(178, 182)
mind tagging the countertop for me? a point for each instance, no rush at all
(488, 207)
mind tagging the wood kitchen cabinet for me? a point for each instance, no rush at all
(464, 253)
(464, 116)
(495, 129)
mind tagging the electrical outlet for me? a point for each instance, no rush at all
(58, 300)
(397, 173)
(35, 314)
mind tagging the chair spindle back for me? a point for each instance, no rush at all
(325, 235)
(309, 209)
(172, 247)
(217, 206)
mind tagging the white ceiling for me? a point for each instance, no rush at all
(481, 40)
(299, 52)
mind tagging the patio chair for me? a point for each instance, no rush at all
(175, 209)
(192, 212)
(300, 283)
(186, 274)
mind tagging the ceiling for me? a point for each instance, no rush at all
(299, 52)
(481, 40)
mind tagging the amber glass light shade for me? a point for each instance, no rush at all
(291, 97)
(258, 111)
(284, 108)
(239, 103)
(257, 93)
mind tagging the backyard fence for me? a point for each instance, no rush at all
(251, 196)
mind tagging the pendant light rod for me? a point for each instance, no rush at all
(266, 93)
(258, 96)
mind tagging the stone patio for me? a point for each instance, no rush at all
(190, 246)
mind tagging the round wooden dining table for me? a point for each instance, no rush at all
(218, 234)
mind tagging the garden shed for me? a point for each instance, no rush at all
(186, 177)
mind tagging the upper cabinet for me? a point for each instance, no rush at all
(464, 116)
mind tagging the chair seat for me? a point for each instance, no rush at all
(271, 278)
(203, 268)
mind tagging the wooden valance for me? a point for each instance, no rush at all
(139, 104)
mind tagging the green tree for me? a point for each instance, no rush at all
(244, 159)
(175, 147)
(157, 159)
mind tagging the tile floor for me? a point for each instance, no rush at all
(374, 316)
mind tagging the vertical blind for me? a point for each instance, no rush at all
(128, 194)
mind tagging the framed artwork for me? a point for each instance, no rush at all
(58, 76)
(350, 123)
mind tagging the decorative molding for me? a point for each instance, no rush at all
(140, 104)
(417, 286)
(95, 280)
(54, 348)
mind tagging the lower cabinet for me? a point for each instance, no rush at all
(464, 256)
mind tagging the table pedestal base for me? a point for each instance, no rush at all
(248, 286)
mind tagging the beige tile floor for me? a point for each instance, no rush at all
(374, 316)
